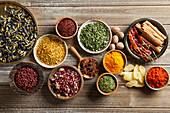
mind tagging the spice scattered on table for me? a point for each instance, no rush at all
(89, 66)
(134, 75)
(51, 51)
(95, 36)
(65, 82)
(107, 83)
(17, 34)
(26, 78)
(114, 62)
(157, 77)
(66, 27)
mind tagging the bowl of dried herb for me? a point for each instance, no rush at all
(94, 36)
(107, 84)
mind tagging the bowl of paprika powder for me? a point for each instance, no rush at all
(66, 27)
(157, 78)
(26, 78)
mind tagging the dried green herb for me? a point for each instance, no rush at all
(107, 84)
(94, 36)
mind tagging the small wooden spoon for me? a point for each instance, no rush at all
(80, 59)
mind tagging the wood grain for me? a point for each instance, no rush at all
(83, 3)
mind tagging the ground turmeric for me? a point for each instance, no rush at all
(114, 62)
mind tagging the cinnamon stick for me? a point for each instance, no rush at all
(155, 48)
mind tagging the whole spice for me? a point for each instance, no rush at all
(95, 36)
(17, 34)
(119, 45)
(66, 27)
(26, 78)
(51, 51)
(114, 62)
(115, 39)
(157, 77)
(65, 82)
(116, 29)
(89, 67)
(107, 84)
(112, 47)
(120, 35)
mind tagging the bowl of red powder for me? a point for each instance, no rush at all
(157, 78)
(26, 78)
(66, 27)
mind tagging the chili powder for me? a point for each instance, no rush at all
(157, 77)
(66, 27)
(26, 78)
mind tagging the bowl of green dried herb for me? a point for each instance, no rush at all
(107, 84)
(94, 36)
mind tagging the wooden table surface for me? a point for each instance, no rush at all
(115, 13)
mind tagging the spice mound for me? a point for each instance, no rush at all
(17, 34)
(114, 62)
(90, 67)
(51, 51)
(157, 77)
(66, 27)
(26, 78)
(65, 82)
(94, 36)
(107, 83)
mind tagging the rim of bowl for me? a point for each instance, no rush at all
(27, 64)
(43, 64)
(62, 97)
(88, 22)
(124, 57)
(163, 29)
(97, 83)
(18, 4)
(58, 31)
(152, 87)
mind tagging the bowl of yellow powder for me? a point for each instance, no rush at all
(114, 61)
(50, 51)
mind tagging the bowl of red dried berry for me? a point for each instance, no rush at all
(66, 27)
(65, 82)
(26, 78)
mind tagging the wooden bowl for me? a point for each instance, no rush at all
(156, 89)
(62, 97)
(43, 64)
(158, 25)
(26, 64)
(124, 57)
(89, 22)
(97, 85)
(2, 12)
(56, 28)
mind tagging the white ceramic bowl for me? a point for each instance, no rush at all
(89, 22)
(35, 55)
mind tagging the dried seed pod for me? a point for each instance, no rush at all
(116, 29)
(120, 35)
(119, 45)
(112, 47)
(115, 39)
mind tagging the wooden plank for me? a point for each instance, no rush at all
(88, 98)
(87, 110)
(117, 15)
(82, 3)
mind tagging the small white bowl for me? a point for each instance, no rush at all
(35, 55)
(89, 22)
